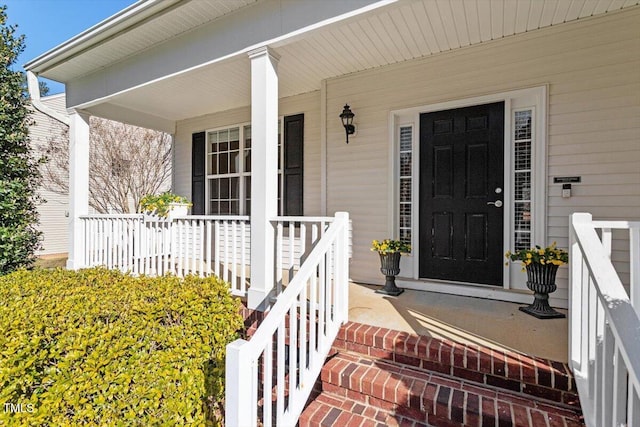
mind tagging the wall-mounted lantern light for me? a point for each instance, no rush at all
(347, 121)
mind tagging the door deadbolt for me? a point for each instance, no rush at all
(497, 203)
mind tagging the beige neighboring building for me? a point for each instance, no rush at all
(54, 213)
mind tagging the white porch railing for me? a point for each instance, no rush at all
(195, 244)
(219, 245)
(604, 325)
(112, 241)
(200, 245)
(270, 377)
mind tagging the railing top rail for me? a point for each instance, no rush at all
(192, 217)
(214, 217)
(326, 219)
(624, 320)
(111, 216)
(303, 219)
(270, 324)
(616, 224)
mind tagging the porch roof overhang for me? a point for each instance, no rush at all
(161, 61)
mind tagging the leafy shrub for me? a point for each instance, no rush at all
(97, 347)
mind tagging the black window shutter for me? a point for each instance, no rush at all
(293, 164)
(198, 176)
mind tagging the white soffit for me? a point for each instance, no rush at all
(221, 87)
(416, 29)
(391, 34)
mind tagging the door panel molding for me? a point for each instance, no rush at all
(475, 147)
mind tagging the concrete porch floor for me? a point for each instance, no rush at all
(470, 320)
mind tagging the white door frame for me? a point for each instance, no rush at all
(517, 100)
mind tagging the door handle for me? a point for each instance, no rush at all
(497, 203)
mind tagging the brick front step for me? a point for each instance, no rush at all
(360, 391)
(327, 410)
(504, 369)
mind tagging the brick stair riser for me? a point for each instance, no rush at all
(511, 371)
(425, 398)
(328, 410)
(334, 410)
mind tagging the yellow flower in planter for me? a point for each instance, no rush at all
(549, 255)
(388, 246)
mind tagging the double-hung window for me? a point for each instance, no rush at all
(228, 168)
(229, 171)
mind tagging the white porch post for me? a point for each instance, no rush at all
(264, 173)
(78, 186)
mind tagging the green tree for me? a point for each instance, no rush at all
(44, 89)
(19, 175)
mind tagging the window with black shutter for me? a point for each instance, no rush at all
(198, 176)
(223, 158)
(293, 165)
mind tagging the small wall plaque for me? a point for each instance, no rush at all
(565, 179)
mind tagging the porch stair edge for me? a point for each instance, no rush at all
(378, 377)
(502, 369)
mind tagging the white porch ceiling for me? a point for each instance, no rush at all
(401, 31)
(154, 24)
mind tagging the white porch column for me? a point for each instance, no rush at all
(78, 186)
(264, 174)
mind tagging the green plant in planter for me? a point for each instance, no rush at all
(159, 204)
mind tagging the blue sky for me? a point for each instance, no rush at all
(47, 23)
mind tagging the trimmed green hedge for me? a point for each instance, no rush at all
(97, 347)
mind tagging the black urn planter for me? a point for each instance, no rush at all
(390, 267)
(541, 279)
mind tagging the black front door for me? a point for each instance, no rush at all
(461, 194)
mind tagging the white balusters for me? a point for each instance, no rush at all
(200, 245)
(309, 312)
(294, 243)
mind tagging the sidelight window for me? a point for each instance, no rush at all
(405, 182)
(522, 142)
